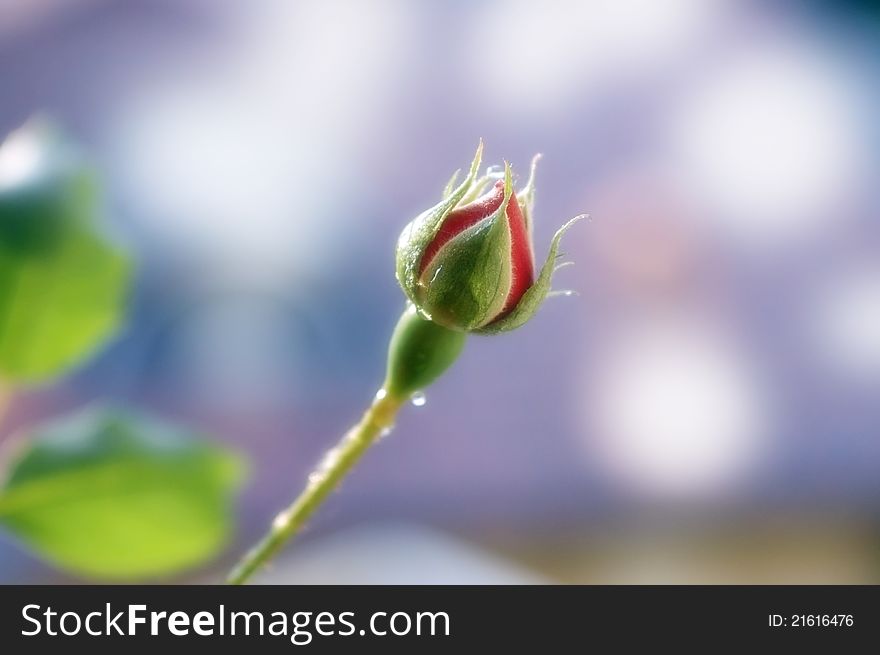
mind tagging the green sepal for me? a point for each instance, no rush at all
(421, 231)
(468, 280)
(450, 185)
(535, 295)
(526, 196)
(479, 187)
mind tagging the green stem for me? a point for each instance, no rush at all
(420, 351)
(335, 465)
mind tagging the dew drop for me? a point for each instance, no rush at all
(385, 431)
(327, 464)
(380, 395)
(495, 172)
(418, 399)
(282, 519)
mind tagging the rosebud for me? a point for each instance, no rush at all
(468, 262)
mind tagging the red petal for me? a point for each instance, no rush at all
(461, 218)
(521, 259)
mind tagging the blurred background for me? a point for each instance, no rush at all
(704, 410)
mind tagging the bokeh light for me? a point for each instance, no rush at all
(770, 143)
(19, 158)
(843, 320)
(677, 409)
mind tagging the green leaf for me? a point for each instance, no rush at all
(113, 495)
(62, 285)
(55, 310)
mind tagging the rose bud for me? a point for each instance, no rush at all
(468, 262)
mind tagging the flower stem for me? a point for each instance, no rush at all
(335, 465)
(420, 351)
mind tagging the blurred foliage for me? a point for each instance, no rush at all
(62, 285)
(103, 493)
(114, 495)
